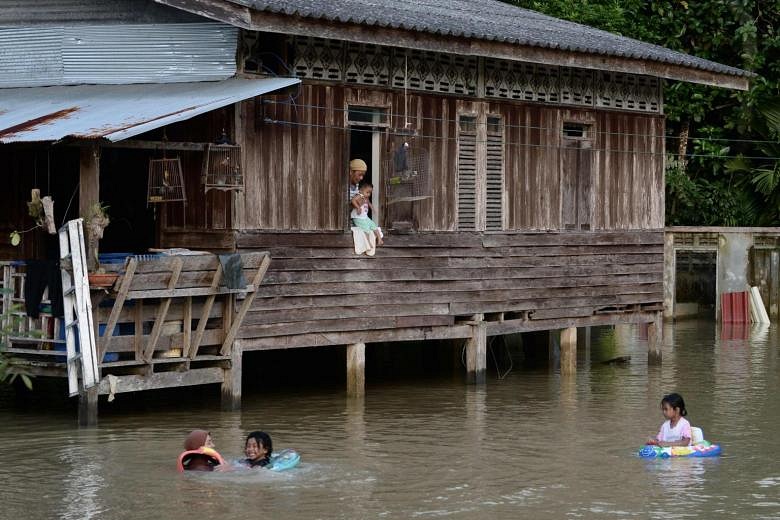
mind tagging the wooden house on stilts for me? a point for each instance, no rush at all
(517, 162)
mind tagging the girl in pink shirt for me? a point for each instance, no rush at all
(676, 430)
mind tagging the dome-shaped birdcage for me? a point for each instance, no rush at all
(408, 176)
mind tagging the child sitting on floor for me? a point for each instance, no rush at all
(361, 203)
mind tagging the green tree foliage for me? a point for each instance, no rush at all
(731, 176)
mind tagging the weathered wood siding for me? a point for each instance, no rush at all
(316, 285)
(296, 161)
(296, 175)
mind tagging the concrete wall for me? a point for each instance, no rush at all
(733, 247)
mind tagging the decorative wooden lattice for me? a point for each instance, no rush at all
(222, 168)
(409, 177)
(628, 92)
(368, 64)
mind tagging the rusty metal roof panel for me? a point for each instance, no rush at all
(116, 112)
(484, 20)
(116, 54)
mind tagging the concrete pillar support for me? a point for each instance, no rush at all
(476, 355)
(569, 351)
(231, 384)
(88, 407)
(356, 370)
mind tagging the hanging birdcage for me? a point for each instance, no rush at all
(408, 174)
(222, 167)
(166, 181)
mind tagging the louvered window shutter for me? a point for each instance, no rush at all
(494, 196)
(467, 173)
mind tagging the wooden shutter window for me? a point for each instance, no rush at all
(494, 196)
(467, 172)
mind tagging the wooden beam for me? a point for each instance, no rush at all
(655, 339)
(162, 311)
(356, 370)
(119, 302)
(245, 305)
(569, 351)
(89, 190)
(156, 145)
(476, 355)
(231, 385)
(135, 383)
(204, 316)
(88, 407)
(345, 338)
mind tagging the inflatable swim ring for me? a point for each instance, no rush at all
(700, 449)
(285, 459)
(209, 455)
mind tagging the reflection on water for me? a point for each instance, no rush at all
(533, 445)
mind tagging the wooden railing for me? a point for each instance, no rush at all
(163, 314)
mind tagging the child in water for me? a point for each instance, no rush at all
(199, 453)
(258, 449)
(676, 430)
(361, 204)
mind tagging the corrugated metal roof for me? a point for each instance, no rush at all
(116, 54)
(59, 12)
(116, 112)
(485, 20)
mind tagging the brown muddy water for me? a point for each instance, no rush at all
(532, 445)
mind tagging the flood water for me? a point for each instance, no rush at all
(532, 445)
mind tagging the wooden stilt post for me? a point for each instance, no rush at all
(554, 348)
(476, 355)
(569, 351)
(655, 339)
(356, 370)
(231, 384)
(89, 190)
(88, 407)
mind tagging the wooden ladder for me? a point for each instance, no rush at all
(77, 308)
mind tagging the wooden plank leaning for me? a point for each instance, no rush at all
(204, 315)
(159, 320)
(69, 312)
(90, 372)
(239, 318)
(119, 302)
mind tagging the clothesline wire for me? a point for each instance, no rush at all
(506, 143)
(530, 127)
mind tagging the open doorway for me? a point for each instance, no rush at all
(695, 284)
(366, 128)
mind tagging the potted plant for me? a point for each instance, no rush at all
(95, 222)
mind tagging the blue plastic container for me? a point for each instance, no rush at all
(121, 329)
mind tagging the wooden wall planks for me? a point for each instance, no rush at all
(296, 167)
(317, 285)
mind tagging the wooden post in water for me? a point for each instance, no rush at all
(356, 370)
(231, 384)
(88, 407)
(569, 351)
(476, 355)
(655, 339)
